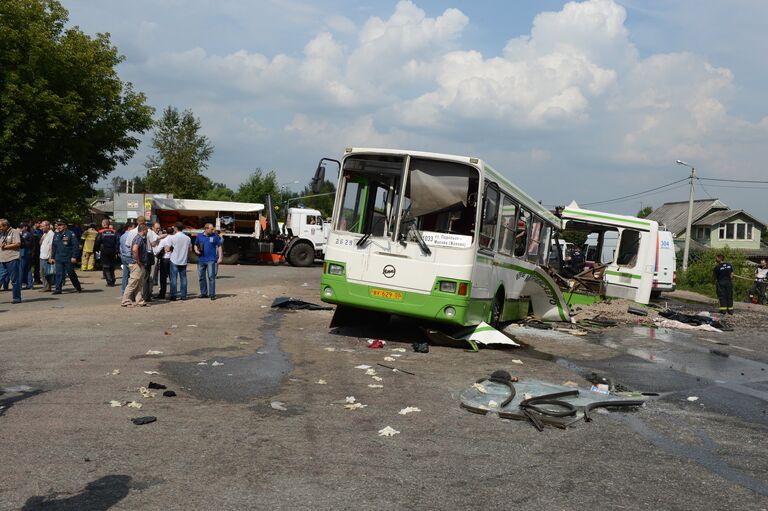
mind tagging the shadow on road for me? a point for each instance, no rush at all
(101, 494)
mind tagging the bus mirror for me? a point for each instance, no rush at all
(318, 179)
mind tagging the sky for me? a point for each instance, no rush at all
(586, 100)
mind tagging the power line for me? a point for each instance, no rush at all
(740, 187)
(732, 180)
(703, 188)
(634, 195)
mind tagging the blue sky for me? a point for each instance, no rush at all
(581, 100)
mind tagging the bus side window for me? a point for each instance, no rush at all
(508, 216)
(490, 218)
(535, 240)
(628, 248)
(545, 245)
(521, 232)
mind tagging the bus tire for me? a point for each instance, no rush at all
(301, 254)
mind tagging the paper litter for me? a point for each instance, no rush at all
(480, 388)
(349, 399)
(153, 352)
(388, 431)
(321, 382)
(215, 364)
(278, 405)
(134, 404)
(693, 398)
(370, 372)
(329, 349)
(399, 350)
(389, 359)
(362, 366)
(375, 386)
(115, 404)
(355, 406)
(377, 378)
(409, 409)
(151, 372)
(517, 361)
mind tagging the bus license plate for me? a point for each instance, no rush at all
(383, 293)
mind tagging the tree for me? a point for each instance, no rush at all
(220, 192)
(66, 118)
(323, 203)
(181, 156)
(258, 186)
(645, 212)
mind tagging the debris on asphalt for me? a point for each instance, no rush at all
(517, 361)
(151, 372)
(388, 431)
(421, 347)
(609, 313)
(290, 303)
(321, 382)
(395, 369)
(153, 352)
(679, 325)
(169, 393)
(145, 392)
(216, 364)
(370, 372)
(469, 338)
(115, 404)
(480, 388)
(409, 409)
(140, 421)
(693, 398)
(376, 344)
(355, 406)
(134, 404)
(395, 355)
(329, 349)
(390, 359)
(377, 378)
(349, 399)
(375, 386)
(362, 366)
(192, 326)
(719, 353)
(399, 350)
(203, 363)
(637, 311)
(244, 342)
(156, 386)
(115, 372)
(278, 405)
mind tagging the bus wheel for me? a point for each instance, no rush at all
(301, 254)
(496, 309)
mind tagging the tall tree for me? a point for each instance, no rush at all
(66, 118)
(258, 186)
(220, 192)
(181, 156)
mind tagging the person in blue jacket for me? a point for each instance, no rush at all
(723, 273)
(208, 247)
(64, 252)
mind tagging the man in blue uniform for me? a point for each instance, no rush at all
(107, 245)
(64, 255)
(724, 284)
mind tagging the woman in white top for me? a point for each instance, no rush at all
(46, 242)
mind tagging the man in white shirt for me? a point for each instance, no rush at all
(179, 250)
(46, 242)
(153, 238)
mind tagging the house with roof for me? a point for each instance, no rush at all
(714, 225)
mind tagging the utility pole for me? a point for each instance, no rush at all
(688, 233)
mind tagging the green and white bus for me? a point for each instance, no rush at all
(439, 237)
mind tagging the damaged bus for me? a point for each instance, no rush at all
(437, 237)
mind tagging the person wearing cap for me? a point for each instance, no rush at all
(64, 255)
(10, 245)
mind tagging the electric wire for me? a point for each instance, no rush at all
(704, 188)
(732, 180)
(652, 191)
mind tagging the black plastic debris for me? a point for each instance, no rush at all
(169, 393)
(421, 347)
(637, 311)
(286, 302)
(140, 421)
(695, 319)
(157, 386)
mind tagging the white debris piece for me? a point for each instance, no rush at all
(409, 409)
(377, 378)
(151, 372)
(192, 326)
(388, 431)
(492, 404)
(527, 396)
(244, 342)
(347, 350)
(480, 388)
(370, 372)
(355, 406)
(375, 386)
(115, 372)
(693, 398)
(399, 350)
(396, 355)
(145, 392)
(517, 361)
(389, 359)
(362, 366)
(329, 349)
(203, 363)
(174, 326)
(278, 405)
(305, 285)
(115, 404)
(349, 399)
(321, 382)
(134, 404)
(215, 364)
(153, 352)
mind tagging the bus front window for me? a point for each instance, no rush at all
(369, 186)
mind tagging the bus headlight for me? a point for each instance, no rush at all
(328, 292)
(447, 286)
(335, 269)
(449, 312)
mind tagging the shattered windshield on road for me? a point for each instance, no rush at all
(439, 203)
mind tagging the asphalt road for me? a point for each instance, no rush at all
(253, 427)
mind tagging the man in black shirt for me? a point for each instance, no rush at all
(724, 284)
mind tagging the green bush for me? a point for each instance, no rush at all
(700, 277)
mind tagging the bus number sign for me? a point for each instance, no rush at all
(383, 293)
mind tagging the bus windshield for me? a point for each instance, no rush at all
(440, 197)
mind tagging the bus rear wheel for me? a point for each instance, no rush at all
(496, 309)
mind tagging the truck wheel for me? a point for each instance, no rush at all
(301, 254)
(230, 259)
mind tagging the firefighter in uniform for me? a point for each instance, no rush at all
(64, 255)
(724, 284)
(107, 246)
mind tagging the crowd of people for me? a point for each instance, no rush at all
(34, 254)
